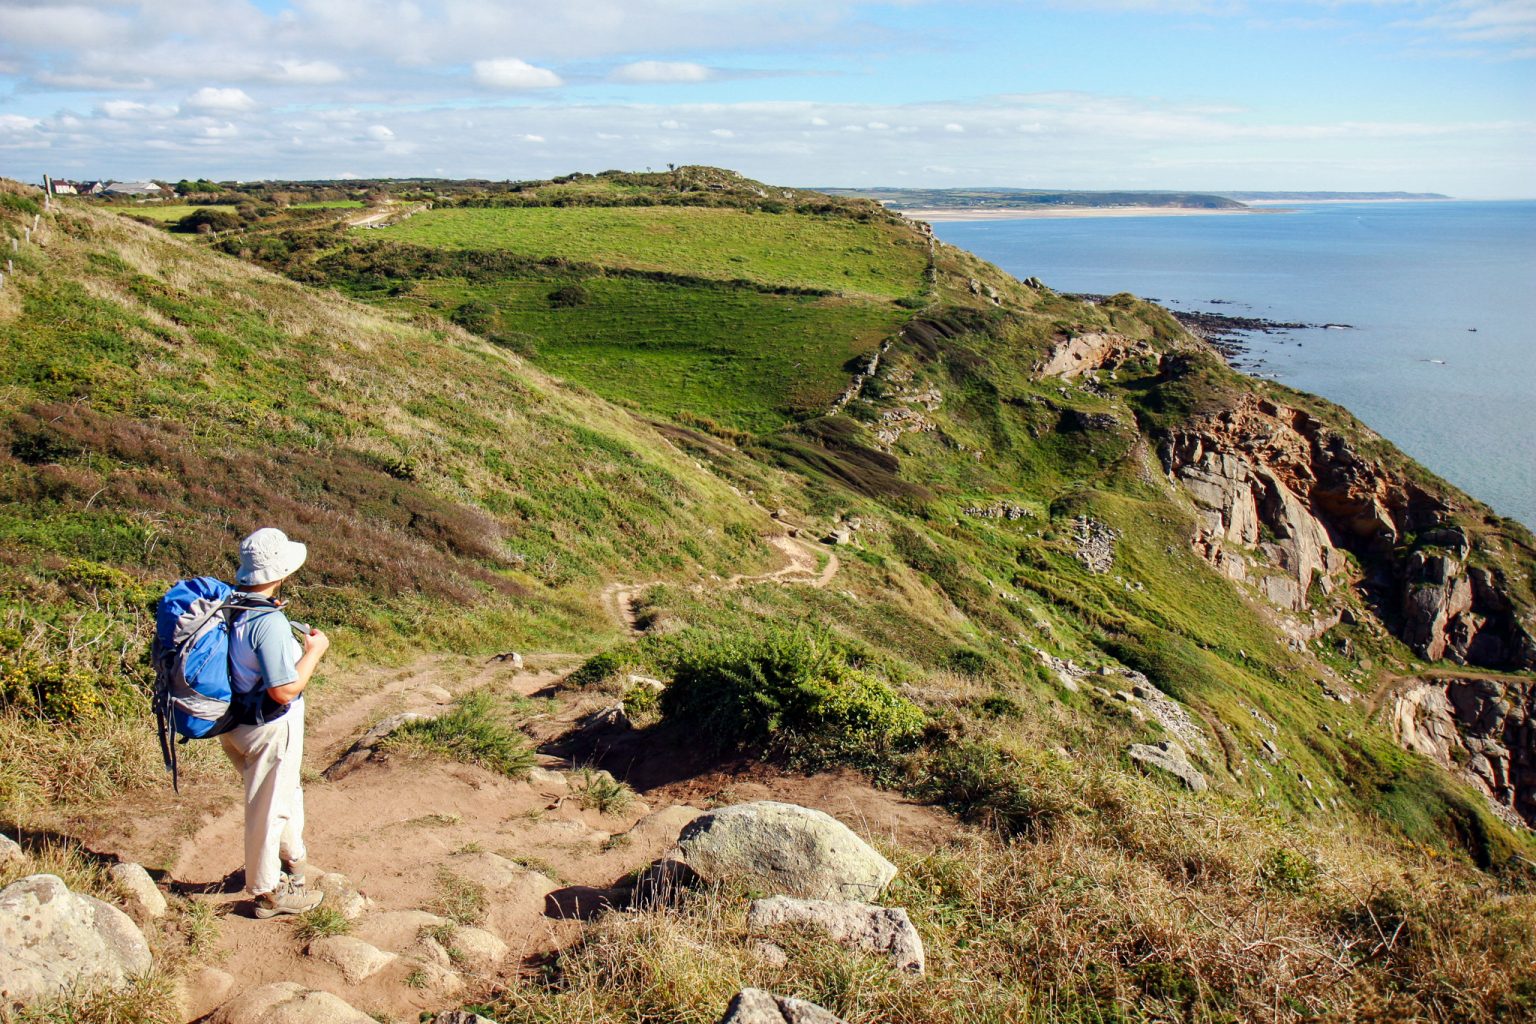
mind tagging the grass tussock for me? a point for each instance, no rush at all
(149, 999)
(599, 791)
(459, 899)
(477, 730)
(320, 922)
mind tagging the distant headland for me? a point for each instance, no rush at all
(1008, 203)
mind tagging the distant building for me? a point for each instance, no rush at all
(142, 189)
(65, 187)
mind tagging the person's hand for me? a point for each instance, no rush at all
(316, 643)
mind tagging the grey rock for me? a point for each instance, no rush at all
(137, 889)
(10, 850)
(755, 1006)
(357, 960)
(886, 931)
(1169, 758)
(53, 941)
(461, 1017)
(285, 1002)
(770, 953)
(476, 948)
(783, 849)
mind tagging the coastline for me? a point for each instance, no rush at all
(1067, 212)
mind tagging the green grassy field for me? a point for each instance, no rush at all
(840, 255)
(175, 211)
(744, 359)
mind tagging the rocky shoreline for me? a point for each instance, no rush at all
(1225, 332)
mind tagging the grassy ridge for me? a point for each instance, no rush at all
(846, 256)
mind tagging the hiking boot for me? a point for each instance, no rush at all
(287, 898)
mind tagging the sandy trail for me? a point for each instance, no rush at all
(621, 600)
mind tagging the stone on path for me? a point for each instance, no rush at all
(357, 960)
(885, 931)
(397, 929)
(476, 948)
(285, 1002)
(53, 940)
(755, 1006)
(363, 749)
(461, 1017)
(783, 849)
(10, 850)
(138, 889)
(1171, 759)
(203, 992)
(340, 896)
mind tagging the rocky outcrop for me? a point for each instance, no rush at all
(356, 959)
(1483, 730)
(883, 931)
(1280, 496)
(755, 1006)
(1082, 353)
(54, 941)
(1169, 757)
(783, 849)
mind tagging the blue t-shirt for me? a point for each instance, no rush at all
(264, 651)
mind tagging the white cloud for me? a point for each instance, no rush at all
(532, 138)
(131, 110)
(221, 131)
(649, 72)
(671, 125)
(17, 123)
(819, 122)
(307, 72)
(511, 73)
(722, 133)
(379, 133)
(211, 100)
(92, 83)
(955, 128)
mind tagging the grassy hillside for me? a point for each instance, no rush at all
(1016, 561)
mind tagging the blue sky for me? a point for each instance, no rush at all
(1423, 95)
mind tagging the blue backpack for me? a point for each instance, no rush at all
(194, 698)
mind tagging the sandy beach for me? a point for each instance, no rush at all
(1064, 212)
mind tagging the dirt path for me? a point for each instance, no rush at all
(620, 600)
(398, 828)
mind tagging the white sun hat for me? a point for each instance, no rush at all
(268, 555)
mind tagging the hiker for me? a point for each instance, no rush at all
(269, 671)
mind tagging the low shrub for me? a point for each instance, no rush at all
(799, 689)
(988, 786)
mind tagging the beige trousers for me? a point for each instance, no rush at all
(268, 758)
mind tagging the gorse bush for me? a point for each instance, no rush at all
(796, 688)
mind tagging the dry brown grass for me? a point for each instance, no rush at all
(1143, 909)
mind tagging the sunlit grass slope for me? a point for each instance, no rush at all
(872, 259)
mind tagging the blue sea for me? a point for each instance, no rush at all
(1441, 296)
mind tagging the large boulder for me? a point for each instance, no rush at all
(53, 941)
(783, 849)
(285, 1002)
(884, 931)
(755, 1006)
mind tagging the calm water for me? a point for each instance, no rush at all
(1413, 279)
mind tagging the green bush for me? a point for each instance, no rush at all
(789, 688)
